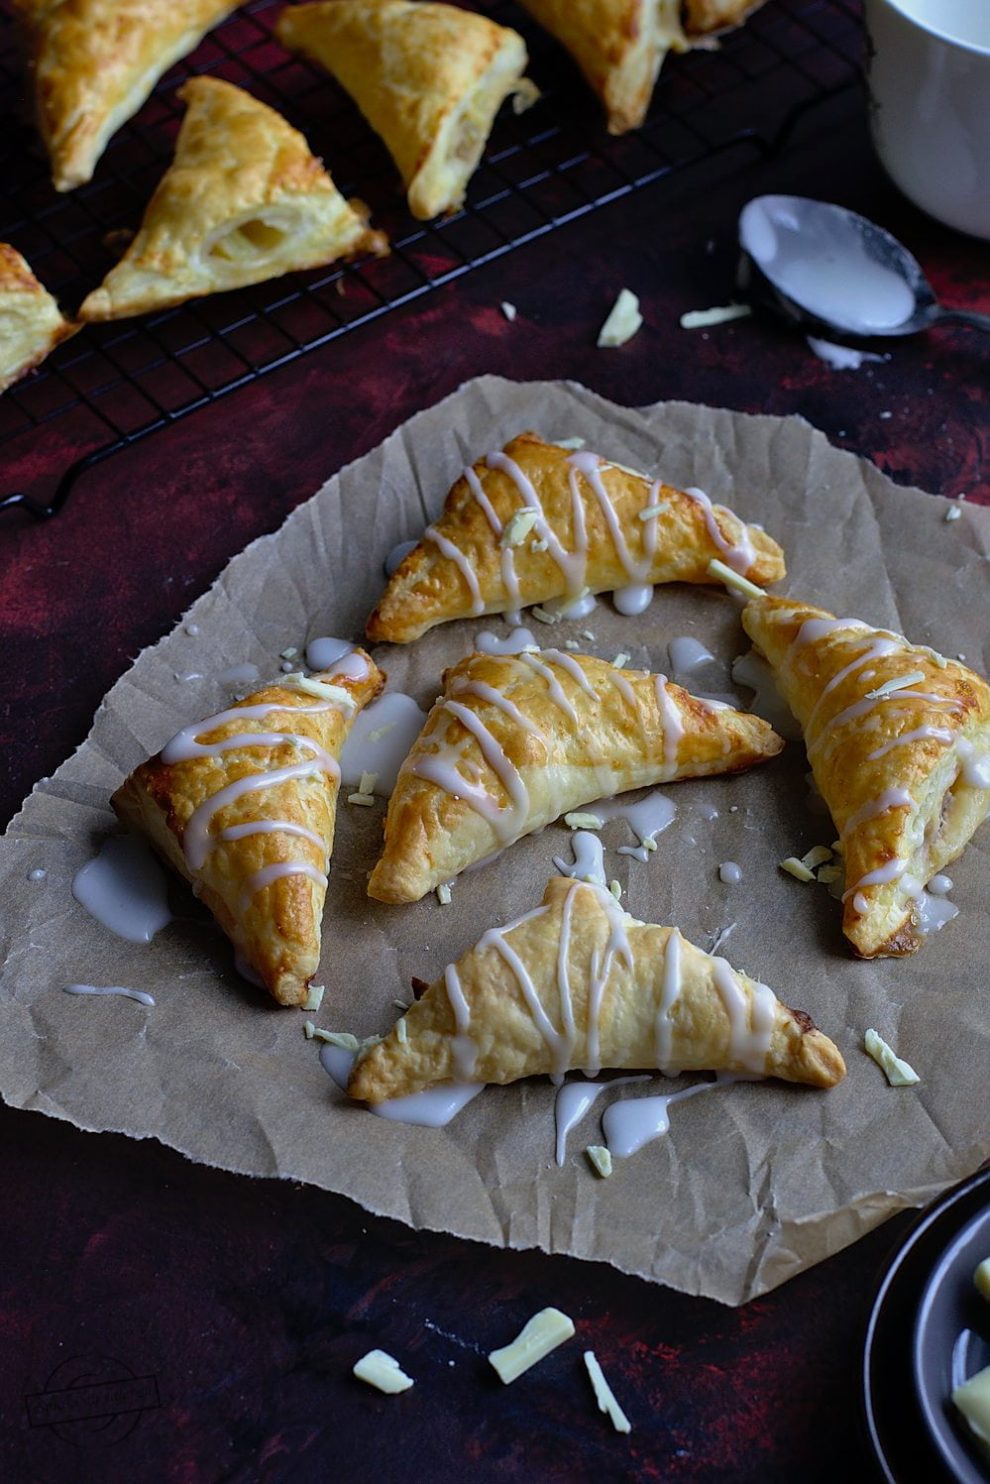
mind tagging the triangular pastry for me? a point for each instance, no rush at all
(899, 743)
(586, 525)
(515, 741)
(578, 983)
(243, 201)
(243, 805)
(428, 78)
(619, 45)
(31, 323)
(702, 17)
(95, 62)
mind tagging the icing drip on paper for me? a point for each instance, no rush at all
(142, 997)
(323, 653)
(434, 1107)
(688, 654)
(589, 859)
(633, 600)
(520, 639)
(635, 1122)
(124, 888)
(573, 1101)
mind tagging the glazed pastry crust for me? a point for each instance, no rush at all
(95, 62)
(501, 1034)
(608, 737)
(703, 17)
(430, 587)
(31, 323)
(243, 201)
(619, 45)
(844, 730)
(276, 929)
(428, 78)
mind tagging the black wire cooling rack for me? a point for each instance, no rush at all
(115, 384)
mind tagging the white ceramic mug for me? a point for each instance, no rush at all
(930, 104)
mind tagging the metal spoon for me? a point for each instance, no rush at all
(834, 272)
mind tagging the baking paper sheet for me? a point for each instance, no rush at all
(755, 1181)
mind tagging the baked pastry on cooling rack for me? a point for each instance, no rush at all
(31, 323)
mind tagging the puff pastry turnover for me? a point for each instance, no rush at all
(515, 741)
(428, 78)
(243, 201)
(588, 525)
(702, 17)
(899, 743)
(94, 63)
(578, 983)
(31, 323)
(243, 805)
(619, 45)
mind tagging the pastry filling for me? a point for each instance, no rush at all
(254, 240)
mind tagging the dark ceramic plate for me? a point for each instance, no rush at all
(914, 1354)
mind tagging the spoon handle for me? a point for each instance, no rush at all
(964, 317)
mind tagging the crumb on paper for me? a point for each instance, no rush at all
(577, 820)
(543, 616)
(981, 1279)
(900, 682)
(797, 869)
(972, 1399)
(401, 1004)
(600, 1160)
(443, 893)
(288, 654)
(731, 578)
(367, 784)
(818, 855)
(509, 310)
(314, 998)
(571, 644)
(381, 1370)
(519, 525)
(701, 319)
(623, 322)
(897, 1072)
(953, 513)
(538, 1337)
(604, 1395)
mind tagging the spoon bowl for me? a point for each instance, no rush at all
(833, 272)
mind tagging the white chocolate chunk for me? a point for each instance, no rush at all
(544, 616)
(816, 856)
(443, 893)
(700, 319)
(616, 890)
(649, 511)
(620, 661)
(600, 1160)
(312, 687)
(829, 875)
(314, 999)
(897, 1072)
(343, 1039)
(900, 682)
(953, 513)
(519, 525)
(604, 1395)
(382, 1371)
(623, 321)
(578, 821)
(973, 1400)
(981, 1279)
(734, 579)
(797, 869)
(367, 783)
(401, 1031)
(509, 310)
(542, 1334)
(365, 800)
(570, 443)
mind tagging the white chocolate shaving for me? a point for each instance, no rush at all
(401, 1031)
(816, 856)
(953, 513)
(604, 1395)
(578, 821)
(542, 1334)
(649, 511)
(616, 890)
(571, 444)
(623, 321)
(797, 869)
(288, 654)
(900, 682)
(981, 1279)
(734, 579)
(382, 1371)
(828, 875)
(897, 1072)
(973, 1400)
(599, 1159)
(367, 783)
(700, 319)
(363, 799)
(443, 894)
(509, 310)
(312, 687)
(314, 999)
(620, 660)
(544, 616)
(519, 525)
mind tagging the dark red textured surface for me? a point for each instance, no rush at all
(238, 1306)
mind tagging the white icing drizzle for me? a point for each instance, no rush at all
(864, 706)
(142, 997)
(936, 734)
(568, 1029)
(860, 903)
(633, 600)
(239, 675)
(463, 1046)
(573, 1101)
(268, 875)
(618, 945)
(814, 629)
(124, 888)
(646, 817)
(569, 663)
(589, 859)
(271, 827)
(886, 643)
(752, 671)
(940, 886)
(557, 1041)
(557, 694)
(488, 643)
(932, 911)
(739, 555)
(891, 871)
(197, 842)
(506, 821)
(751, 1017)
(975, 771)
(891, 798)
(673, 726)
(477, 489)
(484, 692)
(670, 993)
(454, 554)
(572, 565)
(589, 466)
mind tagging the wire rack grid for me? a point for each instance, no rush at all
(117, 383)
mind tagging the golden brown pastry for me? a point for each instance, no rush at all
(515, 741)
(243, 805)
(619, 45)
(899, 743)
(94, 62)
(580, 984)
(31, 323)
(702, 17)
(588, 526)
(428, 78)
(243, 201)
